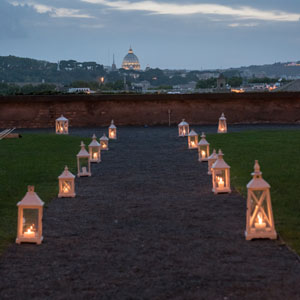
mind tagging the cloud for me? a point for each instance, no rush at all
(53, 11)
(162, 8)
(243, 24)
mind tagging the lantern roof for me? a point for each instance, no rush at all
(66, 174)
(220, 162)
(257, 182)
(61, 118)
(222, 117)
(192, 133)
(203, 141)
(94, 142)
(83, 152)
(31, 198)
(112, 125)
(183, 123)
(213, 155)
(104, 137)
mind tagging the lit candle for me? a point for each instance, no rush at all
(203, 154)
(29, 233)
(183, 132)
(220, 182)
(66, 188)
(112, 134)
(192, 143)
(95, 155)
(104, 145)
(61, 129)
(260, 224)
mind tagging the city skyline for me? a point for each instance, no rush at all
(165, 34)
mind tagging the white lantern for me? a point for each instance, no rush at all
(30, 214)
(222, 128)
(83, 162)
(62, 125)
(104, 142)
(183, 128)
(259, 221)
(211, 160)
(66, 184)
(193, 140)
(220, 175)
(203, 149)
(112, 131)
(94, 149)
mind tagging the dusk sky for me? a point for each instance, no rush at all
(171, 34)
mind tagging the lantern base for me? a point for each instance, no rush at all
(84, 175)
(35, 240)
(112, 138)
(105, 149)
(222, 131)
(261, 234)
(202, 159)
(223, 191)
(66, 195)
(95, 161)
(62, 132)
(193, 147)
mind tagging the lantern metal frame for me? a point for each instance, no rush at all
(193, 140)
(31, 204)
(203, 148)
(222, 127)
(66, 184)
(94, 150)
(183, 128)
(112, 131)
(104, 142)
(259, 219)
(211, 160)
(62, 125)
(83, 170)
(220, 175)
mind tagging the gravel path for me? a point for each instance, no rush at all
(147, 226)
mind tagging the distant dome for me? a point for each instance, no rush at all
(130, 61)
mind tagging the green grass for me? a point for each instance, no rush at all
(35, 159)
(278, 153)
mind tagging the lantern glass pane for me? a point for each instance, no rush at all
(30, 222)
(83, 164)
(112, 133)
(259, 212)
(103, 144)
(66, 186)
(66, 126)
(220, 179)
(95, 154)
(203, 151)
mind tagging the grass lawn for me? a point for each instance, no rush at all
(35, 159)
(278, 153)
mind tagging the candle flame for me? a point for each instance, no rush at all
(30, 229)
(259, 217)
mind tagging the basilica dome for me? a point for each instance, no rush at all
(130, 61)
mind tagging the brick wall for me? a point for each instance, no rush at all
(98, 110)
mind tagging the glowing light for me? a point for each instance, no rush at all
(220, 182)
(30, 233)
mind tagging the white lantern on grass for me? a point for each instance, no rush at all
(30, 214)
(222, 128)
(220, 175)
(66, 184)
(193, 140)
(83, 162)
(104, 142)
(211, 160)
(62, 125)
(112, 131)
(94, 149)
(183, 128)
(203, 149)
(259, 221)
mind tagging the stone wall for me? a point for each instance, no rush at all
(98, 110)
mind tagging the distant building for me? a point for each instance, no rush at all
(113, 66)
(80, 90)
(221, 82)
(131, 62)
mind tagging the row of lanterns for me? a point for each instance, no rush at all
(30, 208)
(259, 218)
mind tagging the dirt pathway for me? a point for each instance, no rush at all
(147, 226)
